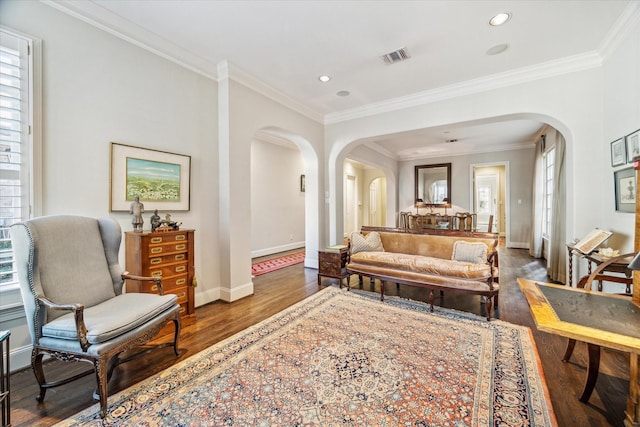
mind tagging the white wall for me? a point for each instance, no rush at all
(98, 88)
(277, 204)
(520, 176)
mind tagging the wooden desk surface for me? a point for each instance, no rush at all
(603, 319)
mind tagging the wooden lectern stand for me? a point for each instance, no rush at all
(633, 399)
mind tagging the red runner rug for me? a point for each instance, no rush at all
(270, 265)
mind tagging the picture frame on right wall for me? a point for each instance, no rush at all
(625, 186)
(618, 152)
(633, 145)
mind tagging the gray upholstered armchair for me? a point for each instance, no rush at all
(71, 285)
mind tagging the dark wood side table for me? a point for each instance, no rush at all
(332, 262)
(5, 417)
(595, 258)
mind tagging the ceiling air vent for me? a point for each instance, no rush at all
(396, 56)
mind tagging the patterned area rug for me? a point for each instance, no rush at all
(268, 266)
(345, 358)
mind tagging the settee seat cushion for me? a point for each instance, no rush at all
(111, 318)
(419, 264)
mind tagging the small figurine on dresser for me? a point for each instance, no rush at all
(167, 224)
(155, 220)
(136, 209)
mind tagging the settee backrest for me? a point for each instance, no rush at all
(437, 246)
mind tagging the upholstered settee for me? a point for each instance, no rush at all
(461, 263)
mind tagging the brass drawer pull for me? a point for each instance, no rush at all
(181, 237)
(155, 261)
(154, 288)
(156, 250)
(180, 268)
(156, 240)
(182, 295)
(182, 310)
(181, 247)
(156, 273)
(180, 257)
(181, 281)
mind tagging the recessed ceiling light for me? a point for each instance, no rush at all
(499, 48)
(324, 78)
(500, 19)
(343, 93)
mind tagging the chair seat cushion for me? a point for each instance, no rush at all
(111, 318)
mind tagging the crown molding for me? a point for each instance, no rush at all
(626, 23)
(483, 84)
(475, 152)
(267, 137)
(380, 149)
(252, 82)
(96, 16)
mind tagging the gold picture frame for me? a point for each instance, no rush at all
(160, 179)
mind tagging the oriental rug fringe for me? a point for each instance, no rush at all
(346, 358)
(270, 265)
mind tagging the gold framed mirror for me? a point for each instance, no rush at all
(433, 185)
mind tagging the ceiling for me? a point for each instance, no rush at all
(287, 45)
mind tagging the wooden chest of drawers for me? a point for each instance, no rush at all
(168, 255)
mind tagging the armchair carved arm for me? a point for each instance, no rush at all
(158, 280)
(78, 313)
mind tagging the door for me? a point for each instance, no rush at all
(350, 206)
(486, 201)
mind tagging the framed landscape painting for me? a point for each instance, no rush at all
(160, 179)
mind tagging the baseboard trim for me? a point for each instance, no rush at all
(518, 245)
(230, 295)
(277, 249)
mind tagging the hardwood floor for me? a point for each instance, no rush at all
(280, 289)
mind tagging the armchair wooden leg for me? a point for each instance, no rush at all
(36, 364)
(176, 337)
(101, 367)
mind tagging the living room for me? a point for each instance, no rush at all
(100, 85)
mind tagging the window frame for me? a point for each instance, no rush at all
(10, 291)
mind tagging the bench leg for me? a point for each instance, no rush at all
(489, 306)
(381, 289)
(431, 300)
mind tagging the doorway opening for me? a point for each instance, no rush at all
(489, 197)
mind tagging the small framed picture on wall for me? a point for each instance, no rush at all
(618, 153)
(625, 186)
(633, 145)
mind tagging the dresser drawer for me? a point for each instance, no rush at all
(168, 285)
(169, 270)
(159, 238)
(167, 248)
(157, 261)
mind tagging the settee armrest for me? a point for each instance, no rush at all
(492, 260)
(78, 314)
(157, 280)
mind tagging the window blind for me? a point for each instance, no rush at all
(14, 145)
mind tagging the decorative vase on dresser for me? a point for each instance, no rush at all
(166, 254)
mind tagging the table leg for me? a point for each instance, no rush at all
(570, 266)
(571, 343)
(632, 413)
(592, 372)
